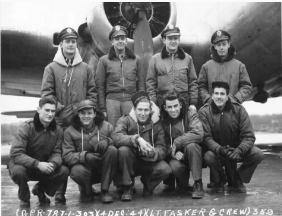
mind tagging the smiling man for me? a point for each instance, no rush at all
(36, 155)
(172, 68)
(229, 138)
(89, 152)
(184, 133)
(118, 77)
(140, 140)
(67, 79)
(224, 67)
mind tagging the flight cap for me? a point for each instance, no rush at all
(67, 33)
(170, 30)
(220, 35)
(117, 31)
(138, 96)
(86, 104)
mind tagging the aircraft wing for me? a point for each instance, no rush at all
(21, 114)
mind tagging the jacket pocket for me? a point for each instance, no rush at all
(131, 77)
(183, 79)
(130, 83)
(163, 82)
(114, 77)
(183, 76)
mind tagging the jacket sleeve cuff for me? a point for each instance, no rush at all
(82, 158)
(36, 162)
(217, 149)
(55, 165)
(133, 142)
(238, 98)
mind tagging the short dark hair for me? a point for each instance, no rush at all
(171, 95)
(142, 99)
(220, 84)
(46, 100)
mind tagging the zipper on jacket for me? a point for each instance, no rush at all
(221, 121)
(172, 61)
(122, 76)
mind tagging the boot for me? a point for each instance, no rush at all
(146, 191)
(95, 192)
(211, 185)
(38, 191)
(83, 196)
(24, 204)
(239, 186)
(106, 197)
(60, 198)
(220, 185)
(198, 192)
(127, 194)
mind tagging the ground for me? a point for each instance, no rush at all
(264, 197)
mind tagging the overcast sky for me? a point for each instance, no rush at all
(15, 103)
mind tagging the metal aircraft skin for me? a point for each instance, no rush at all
(29, 42)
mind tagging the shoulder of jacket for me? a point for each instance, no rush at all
(125, 118)
(104, 57)
(106, 124)
(70, 129)
(157, 55)
(27, 125)
(204, 108)
(211, 61)
(191, 113)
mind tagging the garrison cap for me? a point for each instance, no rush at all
(85, 104)
(220, 35)
(220, 84)
(138, 96)
(117, 31)
(170, 31)
(67, 33)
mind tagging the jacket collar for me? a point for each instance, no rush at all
(227, 107)
(179, 53)
(128, 53)
(60, 59)
(38, 125)
(230, 56)
(98, 120)
(154, 116)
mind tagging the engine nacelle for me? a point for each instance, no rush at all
(103, 17)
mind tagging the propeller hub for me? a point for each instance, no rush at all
(129, 10)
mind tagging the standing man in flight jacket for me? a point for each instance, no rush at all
(118, 77)
(172, 68)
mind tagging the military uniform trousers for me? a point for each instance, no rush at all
(116, 109)
(50, 183)
(192, 161)
(249, 163)
(103, 172)
(131, 165)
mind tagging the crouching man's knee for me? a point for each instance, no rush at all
(18, 173)
(209, 158)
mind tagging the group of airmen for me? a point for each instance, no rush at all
(153, 128)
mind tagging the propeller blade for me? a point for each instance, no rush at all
(143, 42)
